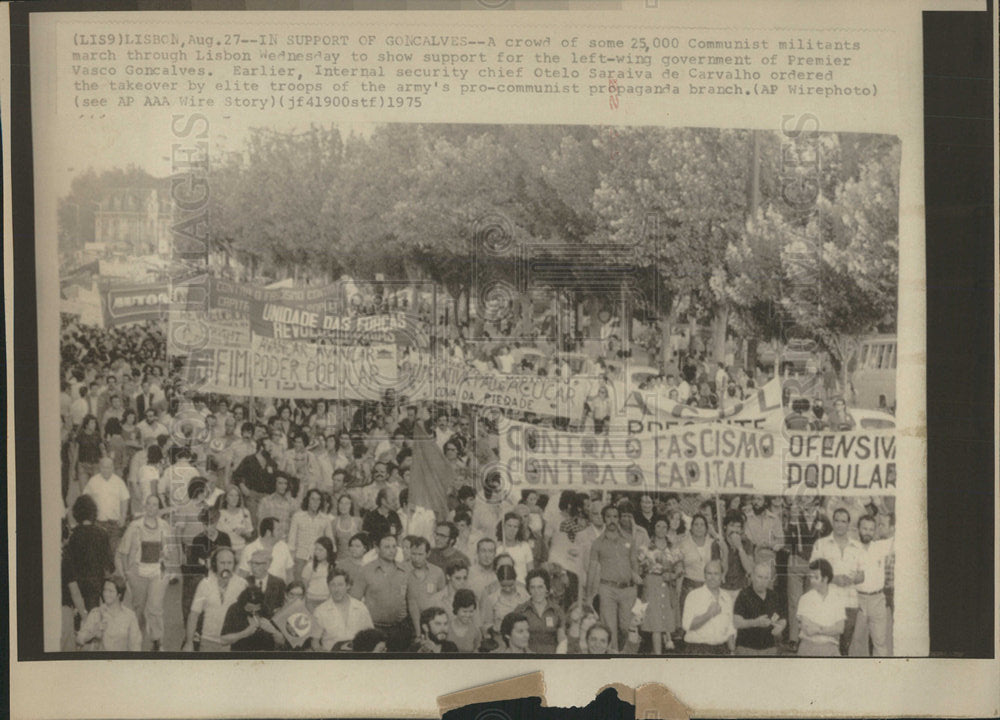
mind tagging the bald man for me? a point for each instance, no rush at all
(758, 615)
(708, 616)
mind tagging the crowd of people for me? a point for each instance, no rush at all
(288, 526)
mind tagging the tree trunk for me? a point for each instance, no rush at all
(667, 331)
(720, 324)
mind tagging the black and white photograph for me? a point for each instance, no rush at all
(542, 346)
(482, 389)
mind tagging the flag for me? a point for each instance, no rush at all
(430, 476)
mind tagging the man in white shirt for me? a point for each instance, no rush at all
(820, 613)
(213, 597)
(341, 617)
(873, 616)
(150, 428)
(845, 557)
(482, 575)
(112, 498)
(80, 407)
(708, 616)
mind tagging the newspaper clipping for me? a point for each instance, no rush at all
(544, 333)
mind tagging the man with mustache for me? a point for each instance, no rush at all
(614, 574)
(213, 598)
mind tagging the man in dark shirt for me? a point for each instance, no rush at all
(382, 520)
(444, 552)
(433, 633)
(255, 475)
(738, 554)
(757, 615)
(195, 567)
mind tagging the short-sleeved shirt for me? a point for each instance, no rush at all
(424, 586)
(615, 555)
(333, 624)
(382, 586)
(697, 556)
(208, 599)
(498, 604)
(543, 628)
(846, 561)
(144, 547)
(873, 557)
(109, 495)
(750, 606)
(717, 630)
(822, 611)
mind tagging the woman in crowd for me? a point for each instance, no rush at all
(662, 564)
(464, 630)
(545, 619)
(111, 627)
(352, 560)
(346, 523)
(505, 599)
(316, 574)
(234, 519)
(515, 634)
(131, 436)
(696, 550)
(308, 525)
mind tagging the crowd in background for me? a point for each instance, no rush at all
(287, 525)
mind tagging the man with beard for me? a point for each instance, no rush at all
(845, 557)
(433, 636)
(212, 600)
(444, 552)
(873, 616)
(256, 475)
(613, 574)
(763, 529)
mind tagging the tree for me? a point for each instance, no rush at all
(271, 198)
(674, 200)
(843, 271)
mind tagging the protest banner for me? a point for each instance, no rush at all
(650, 411)
(305, 321)
(132, 303)
(708, 457)
(280, 369)
(227, 295)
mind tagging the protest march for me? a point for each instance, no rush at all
(278, 449)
